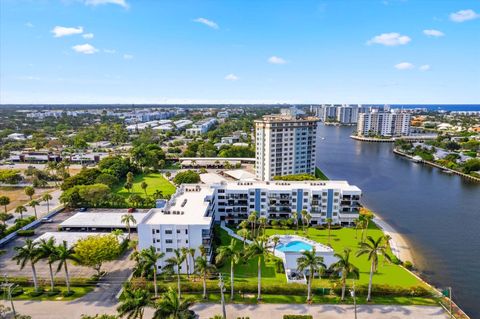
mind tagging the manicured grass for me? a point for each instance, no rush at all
(155, 181)
(78, 292)
(329, 299)
(319, 174)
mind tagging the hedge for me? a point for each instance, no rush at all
(26, 233)
(19, 223)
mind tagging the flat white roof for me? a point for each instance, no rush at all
(70, 237)
(241, 174)
(108, 220)
(187, 208)
(288, 186)
(212, 178)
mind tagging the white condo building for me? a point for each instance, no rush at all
(202, 126)
(188, 217)
(285, 145)
(393, 123)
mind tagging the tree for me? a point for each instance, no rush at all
(185, 254)
(28, 253)
(244, 234)
(186, 177)
(329, 225)
(295, 220)
(229, 253)
(94, 250)
(262, 222)
(171, 307)
(133, 303)
(191, 252)
(46, 250)
(158, 194)
(275, 241)
(4, 201)
(63, 254)
(345, 268)
(373, 248)
(309, 260)
(203, 267)
(149, 258)
(252, 219)
(177, 261)
(34, 204)
(304, 214)
(47, 198)
(29, 191)
(144, 186)
(308, 218)
(367, 218)
(128, 220)
(128, 186)
(20, 210)
(258, 249)
(130, 177)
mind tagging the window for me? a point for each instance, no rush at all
(168, 232)
(169, 250)
(178, 231)
(186, 231)
(168, 241)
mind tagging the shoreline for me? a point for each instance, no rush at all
(398, 244)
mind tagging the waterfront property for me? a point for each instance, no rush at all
(382, 123)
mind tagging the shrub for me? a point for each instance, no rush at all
(297, 317)
(408, 264)
(68, 293)
(36, 293)
(53, 293)
(26, 233)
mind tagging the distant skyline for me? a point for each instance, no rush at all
(175, 52)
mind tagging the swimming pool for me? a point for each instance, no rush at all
(294, 246)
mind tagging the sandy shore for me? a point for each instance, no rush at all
(398, 244)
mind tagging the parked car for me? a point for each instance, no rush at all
(47, 220)
(83, 209)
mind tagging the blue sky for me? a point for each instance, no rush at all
(146, 51)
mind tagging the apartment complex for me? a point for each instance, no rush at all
(187, 219)
(394, 123)
(343, 114)
(285, 145)
(201, 127)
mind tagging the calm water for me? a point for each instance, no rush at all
(438, 214)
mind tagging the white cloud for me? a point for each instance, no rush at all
(209, 23)
(390, 39)
(424, 67)
(404, 66)
(231, 77)
(464, 15)
(111, 51)
(87, 36)
(128, 56)
(433, 33)
(29, 24)
(85, 48)
(59, 31)
(276, 60)
(122, 3)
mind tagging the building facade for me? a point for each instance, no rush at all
(285, 145)
(201, 127)
(393, 123)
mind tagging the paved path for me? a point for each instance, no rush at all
(41, 209)
(74, 309)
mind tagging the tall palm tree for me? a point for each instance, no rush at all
(258, 249)
(229, 252)
(204, 268)
(367, 218)
(303, 213)
(185, 254)
(133, 304)
(309, 260)
(262, 222)
(244, 234)
(329, 225)
(295, 220)
(158, 194)
(128, 220)
(308, 218)
(4, 201)
(29, 191)
(63, 254)
(33, 203)
(191, 252)
(171, 307)
(144, 186)
(275, 241)
(345, 268)
(47, 251)
(373, 248)
(357, 222)
(252, 219)
(177, 261)
(47, 198)
(20, 210)
(149, 257)
(28, 253)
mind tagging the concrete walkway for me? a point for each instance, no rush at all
(74, 309)
(231, 233)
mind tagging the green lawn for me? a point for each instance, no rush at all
(78, 292)
(387, 274)
(155, 181)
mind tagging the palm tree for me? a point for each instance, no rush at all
(177, 261)
(144, 186)
(203, 267)
(244, 234)
(47, 198)
(33, 203)
(252, 219)
(373, 248)
(191, 252)
(185, 254)
(28, 253)
(308, 218)
(357, 222)
(134, 303)
(275, 241)
(309, 260)
(128, 220)
(4, 201)
(171, 307)
(258, 249)
(262, 222)
(367, 217)
(29, 191)
(295, 219)
(303, 213)
(158, 194)
(329, 225)
(20, 210)
(149, 257)
(345, 268)
(47, 250)
(63, 254)
(225, 253)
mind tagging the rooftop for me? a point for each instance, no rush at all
(107, 219)
(70, 237)
(289, 185)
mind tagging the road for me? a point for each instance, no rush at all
(74, 309)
